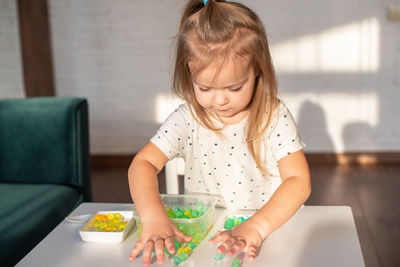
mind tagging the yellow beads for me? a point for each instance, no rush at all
(184, 249)
(111, 222)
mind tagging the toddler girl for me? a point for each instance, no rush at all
(239, 141)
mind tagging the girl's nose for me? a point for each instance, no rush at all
(220, 98)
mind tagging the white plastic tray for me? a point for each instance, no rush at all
(108, 237)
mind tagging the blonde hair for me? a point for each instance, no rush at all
(212, 34)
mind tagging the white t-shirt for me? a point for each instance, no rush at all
(223, 166)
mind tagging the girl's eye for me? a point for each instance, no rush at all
(203, 89)
(237, 89)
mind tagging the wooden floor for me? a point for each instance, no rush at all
(371, 191)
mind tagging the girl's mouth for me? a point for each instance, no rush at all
(223, 110)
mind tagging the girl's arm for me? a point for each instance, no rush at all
(290, 195)
(287, 199)
(158, 230)
(143, 185)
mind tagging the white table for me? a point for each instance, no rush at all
(315, 236)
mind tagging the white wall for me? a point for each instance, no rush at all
(11, 79)
(338, 65)
(339, 70)
(115, 53)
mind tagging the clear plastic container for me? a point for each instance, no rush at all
(196, 227)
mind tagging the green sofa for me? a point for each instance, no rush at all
(44, 169)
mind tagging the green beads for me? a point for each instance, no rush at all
(175, 208)
(166, 251)
(196, 228)
(179, 214)
(229, 223)
(192, 245)
(183, 251)
(232, 221)
(176, 260)
(218, 256)
(236, 262)
(183, 257)
(195, 213)
(187, 212)
(177, 244)
(199, 207)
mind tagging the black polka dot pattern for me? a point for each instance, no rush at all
(224, 166)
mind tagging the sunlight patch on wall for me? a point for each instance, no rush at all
(338, 112)
(165, 104)
(347, 48)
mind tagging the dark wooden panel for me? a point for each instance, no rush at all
(36, 48)
(354, 158)
(364, 158)
(111, 160)
(110, 184)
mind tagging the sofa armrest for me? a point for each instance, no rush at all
(45, 140)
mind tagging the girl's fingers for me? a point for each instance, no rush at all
(251, 253)
(219, 237)
(136, 250)
(239, 245)
(159, 247)
(182, 237)
(169, 244)
(226, 245)
(147, 250)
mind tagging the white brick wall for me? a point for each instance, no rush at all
(11, 77)
(338, 64)
(115, 53)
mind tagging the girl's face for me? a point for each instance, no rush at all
(227, 93)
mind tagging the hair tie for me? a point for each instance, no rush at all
(205, 2)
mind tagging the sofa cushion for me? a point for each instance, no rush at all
(45, 140)
(28, 213)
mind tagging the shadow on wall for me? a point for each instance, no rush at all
(314, 132)
(343, 65)
(355, 136)
(358, 135)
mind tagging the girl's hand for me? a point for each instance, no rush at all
(157, 234)
(243, 237)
